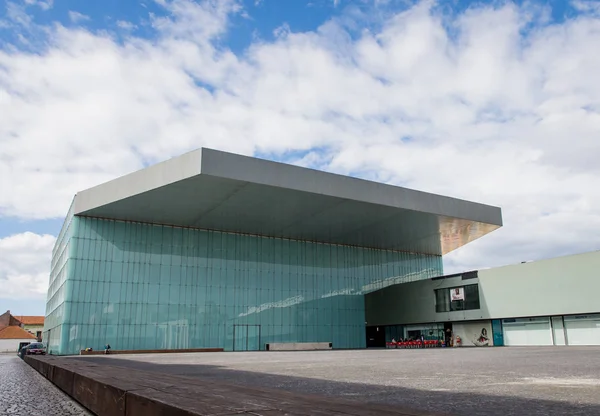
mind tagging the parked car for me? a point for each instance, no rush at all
(22, 344)
(35, 348)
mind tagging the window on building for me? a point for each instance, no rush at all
(457, 305)
(461, 298)
(442, 300)
(471, 297)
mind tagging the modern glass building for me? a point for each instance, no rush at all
(216, 250)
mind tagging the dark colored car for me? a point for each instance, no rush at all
(35, 348)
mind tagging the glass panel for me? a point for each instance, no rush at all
(497, 333)
(471, 297)
(253, 341)
(240, 337)
(149, 286)
(442, 300)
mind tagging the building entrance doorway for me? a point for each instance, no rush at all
(246, 337)
(375, 337)
(448, 334)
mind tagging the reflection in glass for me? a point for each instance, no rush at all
(142, 286)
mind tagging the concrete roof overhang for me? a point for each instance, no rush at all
(215, 190)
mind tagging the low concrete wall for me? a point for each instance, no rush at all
(108, 390)
(299, 346)
(113, 352)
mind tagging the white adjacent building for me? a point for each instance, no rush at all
(11, 337)
(547, 302)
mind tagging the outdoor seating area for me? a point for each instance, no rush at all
(415, 344)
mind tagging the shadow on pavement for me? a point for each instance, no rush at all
(452, 403)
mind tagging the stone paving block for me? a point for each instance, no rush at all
(246, 399)
(113, 390)
(45, 367)
(253, 400)
(101, 395)
(151, 402)
(232, 398)
(63, 379)
(32, 362)
(146, 380)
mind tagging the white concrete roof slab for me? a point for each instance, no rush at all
(223, 191)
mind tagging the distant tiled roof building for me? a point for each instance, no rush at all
(12, 335)
(6, 319)
(33, 324)
(15, 332)
(31, 320)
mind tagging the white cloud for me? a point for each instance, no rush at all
(587, 6)
(42, 4)
(24, 263)
(190, 21)
(126, 25)
(16, 16)
(492, 105)
(282, 31)
(77, 17)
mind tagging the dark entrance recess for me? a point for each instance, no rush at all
(375, 337)
(448, 333)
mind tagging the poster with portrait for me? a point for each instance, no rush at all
(458, 293)
(474, 333)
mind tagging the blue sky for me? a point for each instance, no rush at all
(259, 19)
(489, 101)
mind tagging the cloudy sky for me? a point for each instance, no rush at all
(493, 102)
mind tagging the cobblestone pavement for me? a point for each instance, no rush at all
(24, 392)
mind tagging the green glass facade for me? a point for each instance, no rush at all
(56, 297)
(144, 286)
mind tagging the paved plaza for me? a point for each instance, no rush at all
(467, 381)
(24, 392)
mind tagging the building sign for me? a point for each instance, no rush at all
(458, 293)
